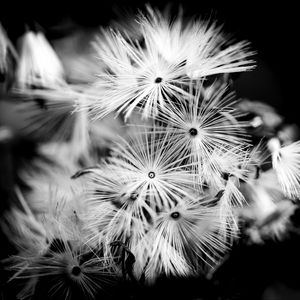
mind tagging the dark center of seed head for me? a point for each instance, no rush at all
(158, 80)
(175, 215)
(151, 174)
(76, 270)
(193, 131)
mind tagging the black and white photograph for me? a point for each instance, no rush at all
(149, 150)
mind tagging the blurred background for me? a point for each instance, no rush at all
(252, 272)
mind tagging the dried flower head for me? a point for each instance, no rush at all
(65, 270)
(207, 129)
(146, 76)
(184, 240)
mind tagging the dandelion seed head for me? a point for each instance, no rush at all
(182, 238)
(207, 130)
(148, 162)
(67, 262)
(149, 78)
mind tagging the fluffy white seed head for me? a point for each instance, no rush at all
(184, 241)
(38, 66)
